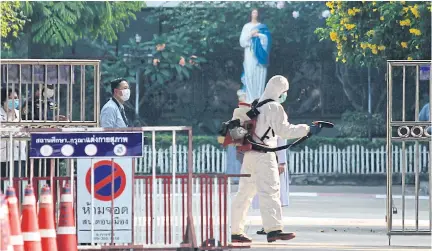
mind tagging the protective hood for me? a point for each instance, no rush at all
(275, 87)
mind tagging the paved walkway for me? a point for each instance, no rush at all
(344, 219)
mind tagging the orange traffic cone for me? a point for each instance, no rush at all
(4, 225)
(14, 220)
(66, 233)
(46, 220)
(29, 223)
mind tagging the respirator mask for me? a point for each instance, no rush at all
(48, 93)
(125, 94)
(13, 104)
(283, 97)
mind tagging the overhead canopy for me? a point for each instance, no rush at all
(56, 74)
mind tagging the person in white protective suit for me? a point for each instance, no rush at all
(263, 167)
(240, 113)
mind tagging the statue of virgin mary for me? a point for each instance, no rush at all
(256, 40)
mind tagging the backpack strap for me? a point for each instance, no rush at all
(264, 137)
(262, 102)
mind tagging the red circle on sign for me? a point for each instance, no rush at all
(118, 173)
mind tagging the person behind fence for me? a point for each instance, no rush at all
(42, 106)
(263, 167)
(34, 108)
(9, 111)
(424, 115)
(113, 114)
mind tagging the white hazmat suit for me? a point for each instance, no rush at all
(284, 177)
(263, 167)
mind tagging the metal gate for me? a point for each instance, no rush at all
(409, 88)
(74, 86)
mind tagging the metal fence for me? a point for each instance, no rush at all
(51, 93)
(326, 159)
(168, 211)
(404, 86)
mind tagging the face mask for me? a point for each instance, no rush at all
(13, 104)
(125, 94)
(49, 93)
(283, 97)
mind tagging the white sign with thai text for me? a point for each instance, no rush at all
(112, 200)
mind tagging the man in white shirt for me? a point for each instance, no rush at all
(112, 113)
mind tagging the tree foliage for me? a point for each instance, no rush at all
(12, 20)
(162, 60)
(173, 58)
(53, 23)
(212, 27)
(369, 33)
(61, 23)
(105, 20)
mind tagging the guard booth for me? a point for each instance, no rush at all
(50, 94)
(409, 87)
(114, 207)
(54, 93)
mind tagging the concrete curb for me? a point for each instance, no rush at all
(356, 179)
(347, 222)
(355, 195)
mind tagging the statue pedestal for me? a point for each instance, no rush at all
(233, 164)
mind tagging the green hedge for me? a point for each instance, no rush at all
(353, 125)
(164, 140)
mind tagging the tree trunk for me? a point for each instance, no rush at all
(321, 101)
(73, 50)
(380, 102)
(342, 75)
(117, 45)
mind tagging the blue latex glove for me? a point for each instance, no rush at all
(314, 130)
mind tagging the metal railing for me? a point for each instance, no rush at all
(406, 80)
(168, 212)
(52, 93)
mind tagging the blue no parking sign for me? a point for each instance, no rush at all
(112, 192)
(109, 180)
